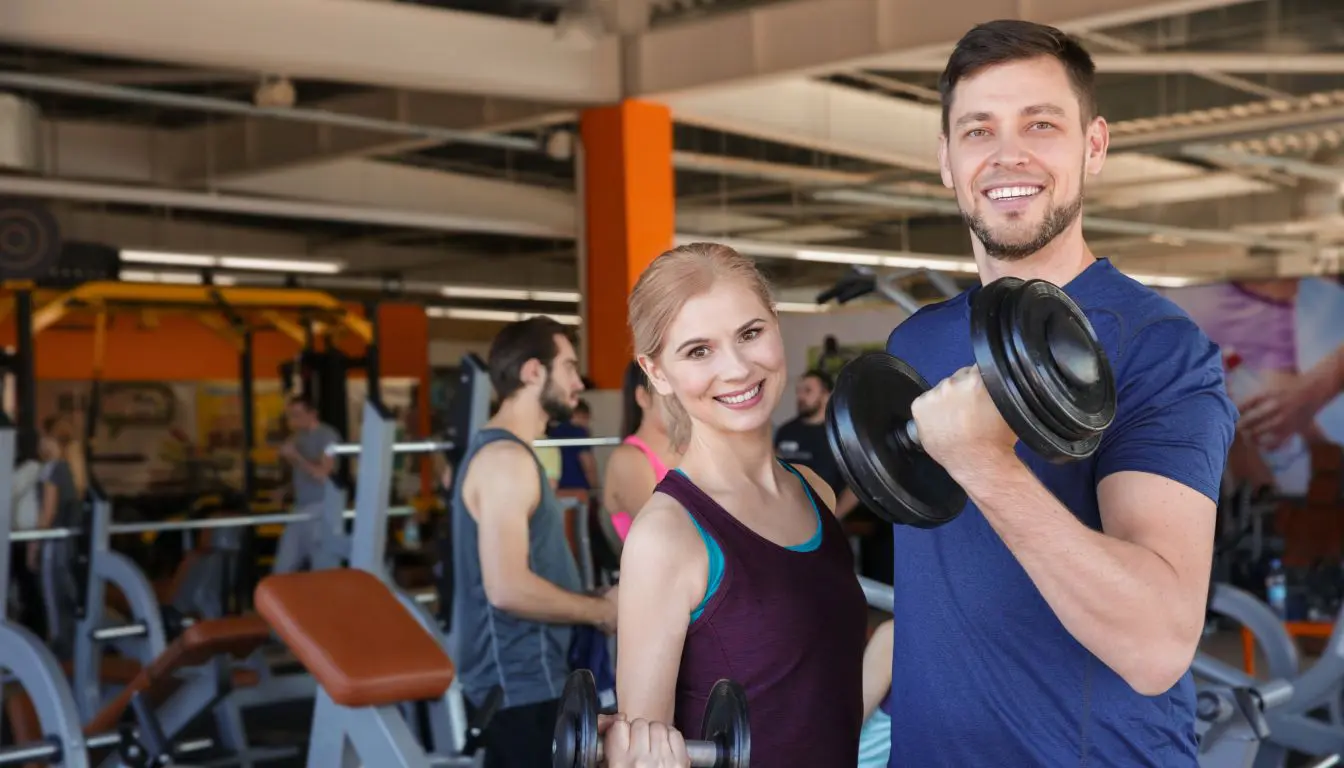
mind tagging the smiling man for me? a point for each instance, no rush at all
(1053, 622)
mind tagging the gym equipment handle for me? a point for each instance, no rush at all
(237, 521)
(436, 446)
(703, 754)
(50, 750)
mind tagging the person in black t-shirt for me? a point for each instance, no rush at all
(803, 440)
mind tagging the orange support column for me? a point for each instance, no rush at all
(630, 218)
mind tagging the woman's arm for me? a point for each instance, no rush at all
(876, 668)
(664, 574)
(628, 482)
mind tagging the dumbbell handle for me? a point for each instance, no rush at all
(703, 754)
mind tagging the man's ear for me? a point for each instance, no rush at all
(944, 164)
(1098, 144)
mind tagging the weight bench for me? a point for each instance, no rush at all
(190, 677)
(368, 655)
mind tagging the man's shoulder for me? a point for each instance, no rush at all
(948, 314)
(1123, 310)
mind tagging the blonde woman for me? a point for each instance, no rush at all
(736, 567)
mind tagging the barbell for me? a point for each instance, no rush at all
(1043, 366)
(725, 730)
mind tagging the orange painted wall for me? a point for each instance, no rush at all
(180, 348)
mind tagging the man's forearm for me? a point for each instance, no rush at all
(1118, 599)
(536, 599)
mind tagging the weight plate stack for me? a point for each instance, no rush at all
(574, 741)
(728, 725)
(865, 425)
(1043, 366)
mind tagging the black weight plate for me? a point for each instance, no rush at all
(1049, 435)
(728, 724)
(869, 405)
(1062, 360)
(991, 339)
(574, 741)
(30, 240)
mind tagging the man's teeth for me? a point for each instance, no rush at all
(742, 398)
(1005, 193)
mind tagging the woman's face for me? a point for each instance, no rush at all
(48, 449)
(723, 359)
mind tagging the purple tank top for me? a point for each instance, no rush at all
(789, 626)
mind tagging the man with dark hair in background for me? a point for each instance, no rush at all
(306, 452)
(517, 595)
(1054, 620)
(802, 439)
(578, 467)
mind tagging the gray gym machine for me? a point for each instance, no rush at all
(26, 660)
(1290, 725)
(1231, 719)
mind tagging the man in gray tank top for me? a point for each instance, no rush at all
(306, 452)
(516, 595)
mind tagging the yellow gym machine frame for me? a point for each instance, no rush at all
(236, 313)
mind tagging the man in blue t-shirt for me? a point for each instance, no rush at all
(1054, 621)
(578, 468)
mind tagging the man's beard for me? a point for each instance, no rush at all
(554, 403)
(807, 411)
(1056, 220)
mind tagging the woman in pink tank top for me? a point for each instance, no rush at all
(644, 456)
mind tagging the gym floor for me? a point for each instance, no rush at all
(288, 724)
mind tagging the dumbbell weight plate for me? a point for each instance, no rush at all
(868, 408)
(574, 741)
(727, 724)
(1043, 366)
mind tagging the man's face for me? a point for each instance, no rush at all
(811, 397)
(298, 417)
(1017, 154)
(560, 390)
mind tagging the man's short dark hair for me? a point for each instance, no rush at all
(518, 342)
(1009, 40)
(823, 378)
(303, 400)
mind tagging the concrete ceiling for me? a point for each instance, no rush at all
(428, 141)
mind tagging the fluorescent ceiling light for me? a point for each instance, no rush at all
(801, 307)
(172, 278)
(496, 315)
(1163, 281)
(202, 261)
(508, 294)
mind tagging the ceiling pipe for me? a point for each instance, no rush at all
(1300, 168)
(68, 87)
(63, 189)
(1109, 226)
(1187, 62)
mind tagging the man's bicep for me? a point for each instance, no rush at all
(1174, 418)
(1173, 520)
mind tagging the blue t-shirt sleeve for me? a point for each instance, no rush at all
(1173, 416)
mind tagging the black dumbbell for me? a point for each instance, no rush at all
(725, 731)
(1042, 365)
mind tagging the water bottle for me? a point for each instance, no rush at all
(1276, 588)
(1290, 462)
(410, 534)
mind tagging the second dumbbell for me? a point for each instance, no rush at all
(725, 731)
